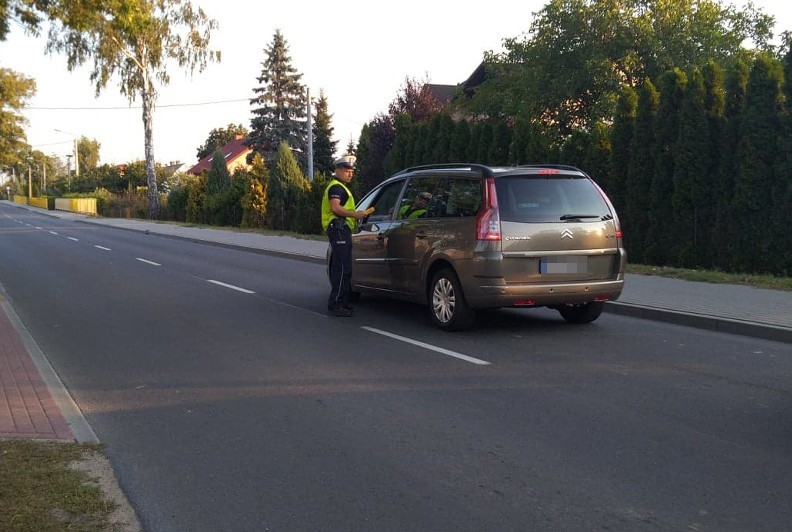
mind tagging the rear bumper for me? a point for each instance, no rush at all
(542, 295)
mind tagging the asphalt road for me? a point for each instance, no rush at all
(229, 401)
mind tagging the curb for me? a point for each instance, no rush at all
(701, 321)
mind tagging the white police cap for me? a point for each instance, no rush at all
(347, 161)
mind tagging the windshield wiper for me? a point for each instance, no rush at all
(576, 216)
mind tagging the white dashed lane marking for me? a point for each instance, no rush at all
(431, 347)
(232, 287)
(148, 262)
(102, 247)
(72, 238)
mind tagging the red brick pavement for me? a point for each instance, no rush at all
(27, 409)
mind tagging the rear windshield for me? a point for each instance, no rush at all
(549, 199)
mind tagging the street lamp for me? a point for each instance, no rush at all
(76, 154)
(30, 177)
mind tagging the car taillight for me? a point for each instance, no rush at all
(488, 224)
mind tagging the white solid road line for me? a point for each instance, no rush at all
(232, 287)
(148, 262)
(429, 346)
(102, 247)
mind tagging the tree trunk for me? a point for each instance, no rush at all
(148, 128)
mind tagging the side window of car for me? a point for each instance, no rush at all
(463, 198)
(420, 199)
(383, 200)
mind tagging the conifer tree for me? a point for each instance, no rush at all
(417, 146)
(460, 140)
(660, 241)
(442, 146)
(725, 228)
(783, 192)
(279, 104)
(621, 140)
(501, 140)
(218, 179)
(397, 156)
(324, 147)
(639, 173)
(757, 149)
(715, 104)
(254, 202)
(286, 184)
(596, 158)
(689, 176)
(484, 143)
(518, 142)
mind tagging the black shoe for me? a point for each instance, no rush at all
(341, 312)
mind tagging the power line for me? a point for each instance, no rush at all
(133, 107)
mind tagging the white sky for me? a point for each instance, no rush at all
(359, 53)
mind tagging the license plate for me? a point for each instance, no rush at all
(569, 264)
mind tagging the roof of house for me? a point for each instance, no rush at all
(231, 151)
(442, 93)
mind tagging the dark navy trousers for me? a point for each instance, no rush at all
(340, 236)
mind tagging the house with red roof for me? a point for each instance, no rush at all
(235, 153)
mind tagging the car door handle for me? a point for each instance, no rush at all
(420, 234)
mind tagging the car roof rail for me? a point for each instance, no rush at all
(448, 166)
(554, 166)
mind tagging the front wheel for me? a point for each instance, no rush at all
(583, 313)
(447, 303)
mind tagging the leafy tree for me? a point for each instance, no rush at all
(754, 180)
(324, 147)
(135, 41)
(196, 199)
(219, 137)
(27, 13)
(15, 91)
(286, 185)
(279, 113)
(569, 67)
(416, 99)
(88, 153)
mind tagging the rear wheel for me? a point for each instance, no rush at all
(583, 313)
(447, 303)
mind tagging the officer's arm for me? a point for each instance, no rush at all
(339, 210)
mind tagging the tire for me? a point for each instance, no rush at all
(583, 313)
(447, 304)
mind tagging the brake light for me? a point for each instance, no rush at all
(488, 224)
(549, 171)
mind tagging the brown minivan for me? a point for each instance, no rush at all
(461, 237)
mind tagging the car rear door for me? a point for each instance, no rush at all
(557, 228)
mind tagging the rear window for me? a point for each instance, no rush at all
(548, 199)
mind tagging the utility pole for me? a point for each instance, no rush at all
(76, 159)
(310, 138)
(68, 169)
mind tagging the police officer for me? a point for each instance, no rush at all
(418, 207)
(339, 220)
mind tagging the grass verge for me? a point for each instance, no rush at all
(713, 276)
(40, 491)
